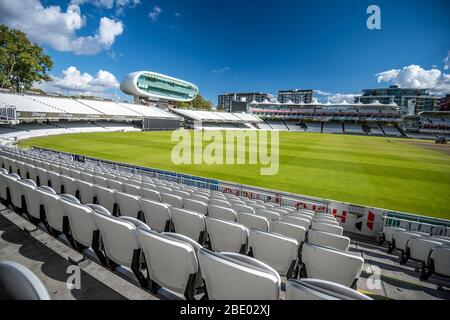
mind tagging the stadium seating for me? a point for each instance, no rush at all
(419, 248)
(332, 265)
(315, 289)
(400, 240)
(438, 263)
(92, 226)
(226, 236)
(20, 283)
(237, 277)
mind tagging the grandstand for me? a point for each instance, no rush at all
(161, 235)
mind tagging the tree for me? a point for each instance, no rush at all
(198, 103)
(21, 61)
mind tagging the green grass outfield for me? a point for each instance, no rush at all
(395, 174)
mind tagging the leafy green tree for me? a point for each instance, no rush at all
(198, 103)
(21, 61)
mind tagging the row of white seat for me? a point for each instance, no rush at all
(227, 235)
(171, 260)
(432, 252)
(213, 223)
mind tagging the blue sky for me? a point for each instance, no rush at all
(248, 45)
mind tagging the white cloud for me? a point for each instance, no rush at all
(336, 97)
(414, 76)
(108, 4)
(73, 81)
(154, 14)
(221, 70)
(447, 61)
(56, 28)
(177, 14)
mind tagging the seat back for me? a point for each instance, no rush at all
(173, 200)
(189, 223)
(228, 277)
(118, 236)
(242, 208)
(298, 221)
(289, 230)
(128, 204)
(86, 191)
(389, 232)
(195, 205)
(82, 224)
(171, 263)
(105, 197)
(19, 283)
(52, 206)
(420, 248)
(332, 265)
(156, 214)
(316, 289)
(441, 258)
(325, 227)
(402, 238)
(221, 213)
(269, 215)
(150, 194)
(326, 239)
(277, 251)
(227, 236)
(132, 189)
(253, 221)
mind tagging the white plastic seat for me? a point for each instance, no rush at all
(14, 189)
(277, 251)
(221, 213)
(419, 248)
(101, 181)
(43, 176)
(316, 289)
(238, 277)
(150, 194)
(269, 215)
(120, 241)
(171, 262)
(181, 193)
(189, 223)
(289, 230)
(105, 197)
(87, 177)
(19, 283)
(156, 214)
(55, 181)
(116, 185)
(293, 219)
(69, 185)
(253, 221)
(439, 261)
(401, 238)
(195, 205)
(86, 191)
(128, 205)
(25, 189)
(52, 207)
(326, 239)
(219, 203)
(227, 236)
(325, 227)
(327, 221)
(173, 200)
(199, 197)
(82, 225)
(132, 189)
(388, 233)
(242, 208)
(332, 265)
